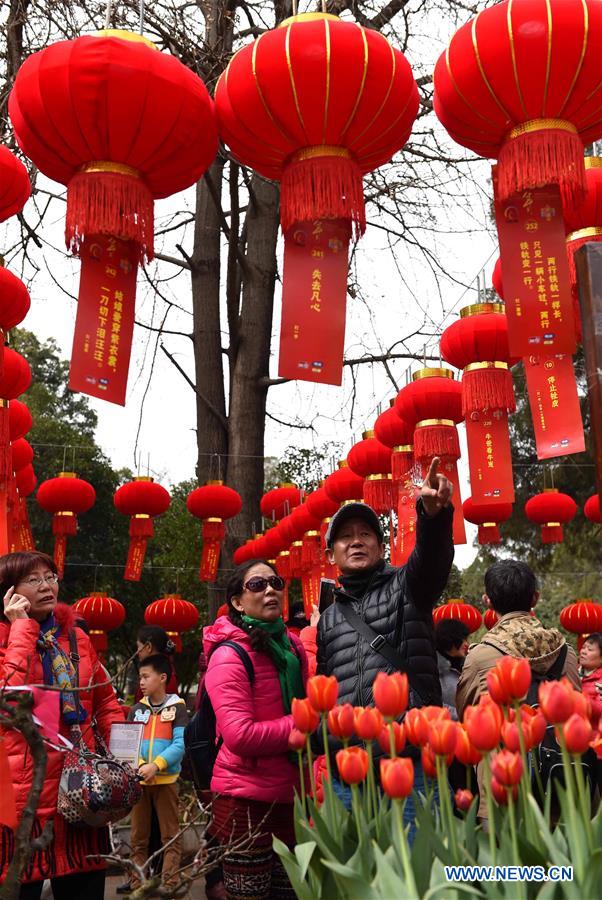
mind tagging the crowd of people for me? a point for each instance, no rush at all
(254, 666)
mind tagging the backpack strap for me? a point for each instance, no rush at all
(243, 656)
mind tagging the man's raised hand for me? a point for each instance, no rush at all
(436, 491)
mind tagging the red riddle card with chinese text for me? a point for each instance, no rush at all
(489, 457)
(555, 406)
(314, 301)
(104, 325)
(535, 272)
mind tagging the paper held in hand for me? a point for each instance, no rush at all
(125, 741)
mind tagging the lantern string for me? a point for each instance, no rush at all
(141, 21)
(108, 13)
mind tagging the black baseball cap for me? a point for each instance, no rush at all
(353, 511)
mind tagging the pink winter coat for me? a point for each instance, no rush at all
(253, 760)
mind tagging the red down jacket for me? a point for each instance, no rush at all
(253, 761)
(20, 664)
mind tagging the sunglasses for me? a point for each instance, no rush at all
(257, 583)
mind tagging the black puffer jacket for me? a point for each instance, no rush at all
(398, 604)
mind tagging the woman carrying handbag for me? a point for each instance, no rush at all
(40, 644)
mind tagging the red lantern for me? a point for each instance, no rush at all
(101, 614)
(344, 485)
(21, 454)
(174, 614)
(213, 503)
(584, 222)
(490, 617)
(19, 419)
(244, 552)
(120, 124)
(496, 278)
(478, 344)
(551, 510)
(322, 507)
(315, 104)
(488, 517)
(582, 617)
(372, 461)
(592, 509)
(66, 497)
(463, 612)
(15, 187)
(26, 480)
(14, 302)
(397, 434)
(141, 499)
(519, 83)
(280, 501)
(15, 378)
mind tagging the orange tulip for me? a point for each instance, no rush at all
(305, 717)
(435, 713)
(352, 765)
(442, 737)
(556, 700)
(322, 692)
(416, 727)
(465, 752)
(484, 724)
(582, 705)
(500, 793)
(399, 736)
(463, 799)
(428, 760)
(578, 733)
(340, 721)
(507, 768)
(296, 740)
(510, 679)
(391, 694)
(397, 777)
(368, 722)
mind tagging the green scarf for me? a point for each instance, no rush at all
(286, 660)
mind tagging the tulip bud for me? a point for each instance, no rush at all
(416, 727)
(397, 777)
(465, 752)
(352, 765)
(322, 692)
(511, 737)
(507, 768)
(305, 717)
(340, 721)
(484, 724)
(296, 740)
(556, 700)
(368, 722)
(500, 793)
(577, 733)
(391, 694)
(399, 737)
(463, 799)
(442, 737)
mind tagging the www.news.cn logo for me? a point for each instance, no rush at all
(508, 873)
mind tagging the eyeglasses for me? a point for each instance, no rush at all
(257, 583)
(38, 582)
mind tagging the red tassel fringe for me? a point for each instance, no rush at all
(110, 203)
(543, 157)
(381, 494)
(141, 528)
(436, 440)
(401, 466)
(296, 558)
(64, 526)
(489, 534)
(487, 389)
(60, 552)
(323, 187)
(6, 463)
(99, 641)
(2, 342)
(311, 555)
(552, 534)
(213, 531)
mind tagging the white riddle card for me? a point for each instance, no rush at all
(125, 741)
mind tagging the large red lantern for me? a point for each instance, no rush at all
(592, 509)
(461, 611)
(15, 186)
(101, 613)
(280, 501)
(582, 617)
(488, 517)
(551, 510)
(315, 104)
(343, 485)
(477, 343)
(142, 500)
(66, 497)
(213, 503)
(520, 83)
(372, 461)
(120, 124)
(174, 614)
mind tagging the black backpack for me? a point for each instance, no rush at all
(200, 735)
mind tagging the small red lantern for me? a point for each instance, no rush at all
(592, 509)
(15, 378)
(66, 497)
(551, 510)
(519, 83)
(101, 614)
(141, 499)
(584, 222)
(490, 617)
(213, 503)
(26, 480)
(19, 419)
(322, 507)
(280, 501)
(344, 485)
(21, 453)
(397, 434)
(488, 517)
(460, 610)
(14, 303)
(174, 614)
(15, 186)
(582, 617)
(372, 461)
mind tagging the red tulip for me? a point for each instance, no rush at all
(484, 724)
(596, 745)
(497, 689)
(429, 763)
(510, 679)
(537, 730)
(582, 705)
(578, 733)
(416, 727)
(368, 722)
(463, 799)
(500, 793)
(465, 752)
(435, 713)
(296, 740)
(507, 768)
(556, 700)
(399, 736)
(340, 721)
(322, 692)
(397, 777)
(352, 765)
(305, 717)
(442, 737)
(391, 694)
(511, 738)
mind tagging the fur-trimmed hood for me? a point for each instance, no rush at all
(66, 616)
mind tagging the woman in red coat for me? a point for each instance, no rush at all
(35, 649)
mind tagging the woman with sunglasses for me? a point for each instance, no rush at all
(254, 778)
(41, 644)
